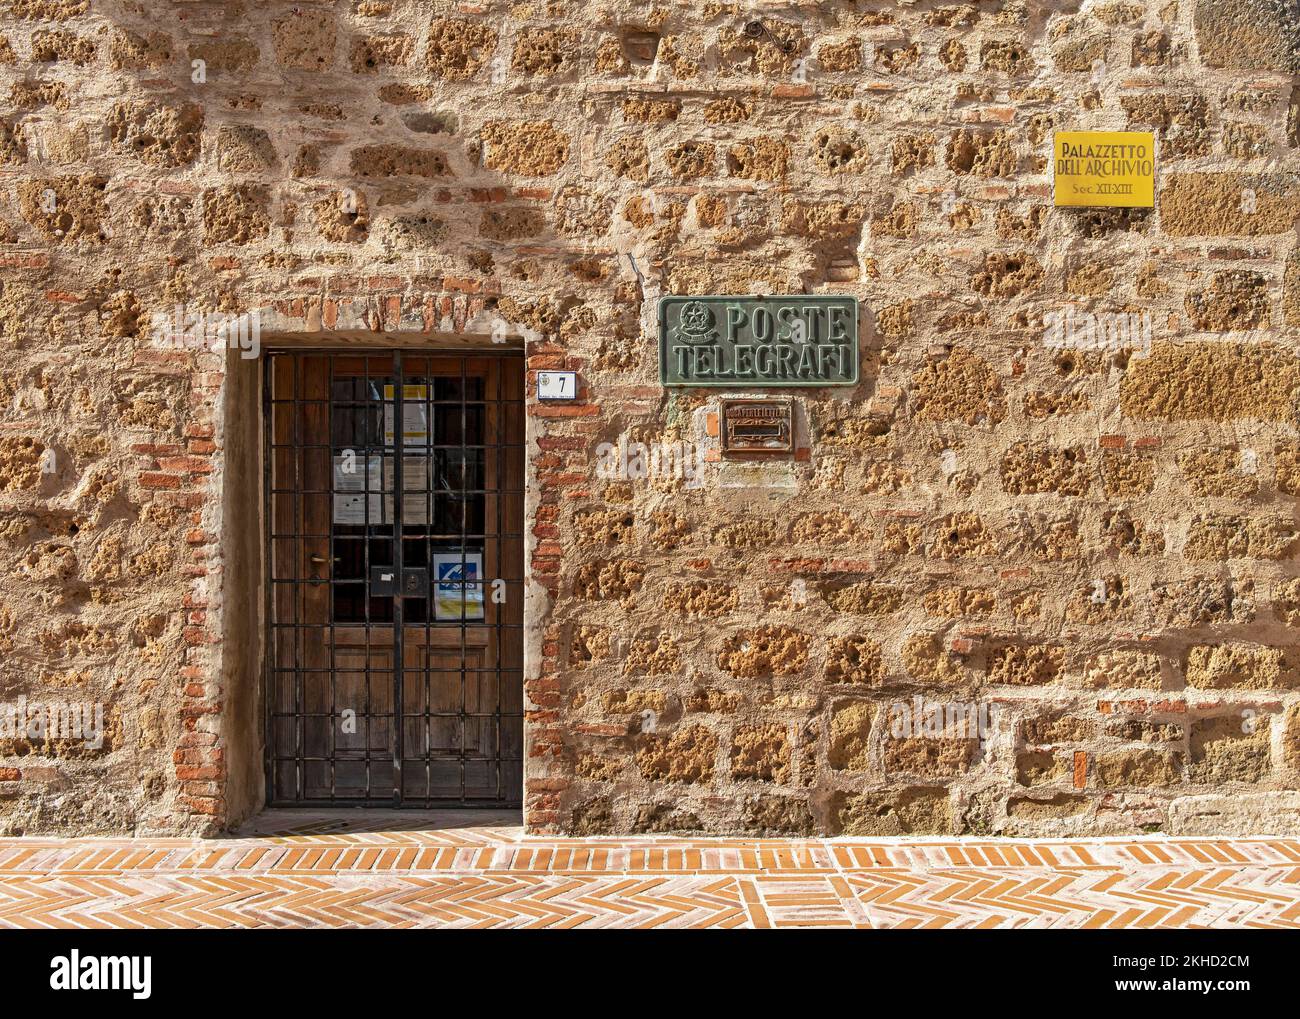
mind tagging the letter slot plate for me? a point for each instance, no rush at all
(757, 427)
(383, 582)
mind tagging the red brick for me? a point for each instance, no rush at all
(569, 442)
(155, 448)
(150, 479)
(192, 464)
(209, 806)
(563, 410)
(557, 480)
(24, 261)
(185, 773)
(467, 286)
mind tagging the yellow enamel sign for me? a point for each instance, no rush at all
(1113, 168)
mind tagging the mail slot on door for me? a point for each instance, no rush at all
(383, 582)
(757, 426)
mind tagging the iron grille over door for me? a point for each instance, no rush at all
(394, 519)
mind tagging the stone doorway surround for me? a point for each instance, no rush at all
(222, 780)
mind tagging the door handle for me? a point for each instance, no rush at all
(319, 560)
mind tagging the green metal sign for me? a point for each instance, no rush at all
(794, 340)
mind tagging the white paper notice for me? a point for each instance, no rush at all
(353, 476)
(415, 489)
(415, 420)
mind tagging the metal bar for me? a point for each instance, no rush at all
(464, 592)
(329, 573)
(365, 545)
(269, 678)
(399, 607)
(502, 461)
(430, 609)
(299, 602)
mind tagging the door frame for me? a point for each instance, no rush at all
(382, 346)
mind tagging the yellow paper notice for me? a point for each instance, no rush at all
(1110, 168)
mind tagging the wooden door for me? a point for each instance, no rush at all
(395, 511)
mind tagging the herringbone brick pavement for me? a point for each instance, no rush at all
(297, 870)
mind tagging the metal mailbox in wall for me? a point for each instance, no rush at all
(760, 427)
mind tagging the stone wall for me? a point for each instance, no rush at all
(1066, 486)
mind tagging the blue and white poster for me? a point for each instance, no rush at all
(458, 585)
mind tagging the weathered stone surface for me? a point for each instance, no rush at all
(960, 387)
(1226, 204)
(767, 650)
(1229, 748)
(1095, 531)
(1124, 669)
(854, 660)
(1025, 665)
(1223, 382)
(157, 135)
(761, 753)
(236, 215)
(530, 148)
(1138, 768)
(914, 811)
(1242, 666)
(1257, 35)
(1236, 813)
(457, 47)
(850, 749)
(686, 756)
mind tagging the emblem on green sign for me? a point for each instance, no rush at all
(794, 340)
(695, 323)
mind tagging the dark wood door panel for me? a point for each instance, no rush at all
(445, 489)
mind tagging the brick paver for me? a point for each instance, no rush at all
(384, 869)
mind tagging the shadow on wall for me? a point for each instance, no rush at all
(241, 158)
